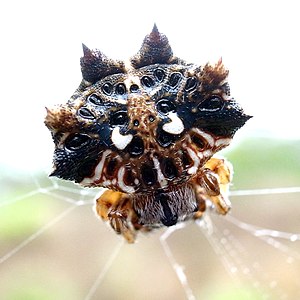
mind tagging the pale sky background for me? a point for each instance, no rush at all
(41, 47)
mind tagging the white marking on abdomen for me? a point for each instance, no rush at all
(125, 188)
(175, 126)
(207, 153)
(160, 176)
(98, 170)
(223, 142)
(196, 160)
(205, 135)
(119, 140)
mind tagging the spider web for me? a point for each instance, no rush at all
(52, 245)
(252, 253)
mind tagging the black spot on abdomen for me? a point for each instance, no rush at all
(136, 146)
(186, 160)
(165, 139)
(169, 218)
(198, 141)
(111, 167)
(169, 168)
(149, 175)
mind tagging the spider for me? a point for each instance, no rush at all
(147, 131)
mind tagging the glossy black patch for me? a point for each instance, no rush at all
(165, 139)
(111, 167)
(107, 88)
(186, 160)
(165, 106)
(211, 104)
(191, 84)
(149, 174)
(120, 89)
(219, 130)
(104, 132)
(86, 113)
(87, 169)
(78, 160)
(198, 141)
(159, 74)
(128, 177)
(174, 79)
(224, 121)
(147, 81)
(197, 96)
(136, 123)
(169, 168)
(95, 99)
(136, 146)
(169, 218)
(119, 118)
(77, 141)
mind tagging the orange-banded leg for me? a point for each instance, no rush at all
(116, 208)
(212, 184)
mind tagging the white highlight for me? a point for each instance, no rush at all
(98, 171)
(175, 126)
(125, 188)
(160, 176)
(119, 140)
(194, 157)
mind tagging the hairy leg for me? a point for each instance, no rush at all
(212, 184)
(116, 208)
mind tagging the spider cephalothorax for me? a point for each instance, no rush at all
(147, 132)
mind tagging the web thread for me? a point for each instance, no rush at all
(240, 265)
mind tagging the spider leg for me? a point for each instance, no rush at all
(212, 184)
(116, 208)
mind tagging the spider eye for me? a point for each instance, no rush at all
(164, 106)
(77, 141)
(211, 104)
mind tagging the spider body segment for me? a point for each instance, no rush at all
(147, 132)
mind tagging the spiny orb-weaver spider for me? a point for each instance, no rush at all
(147, 131)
